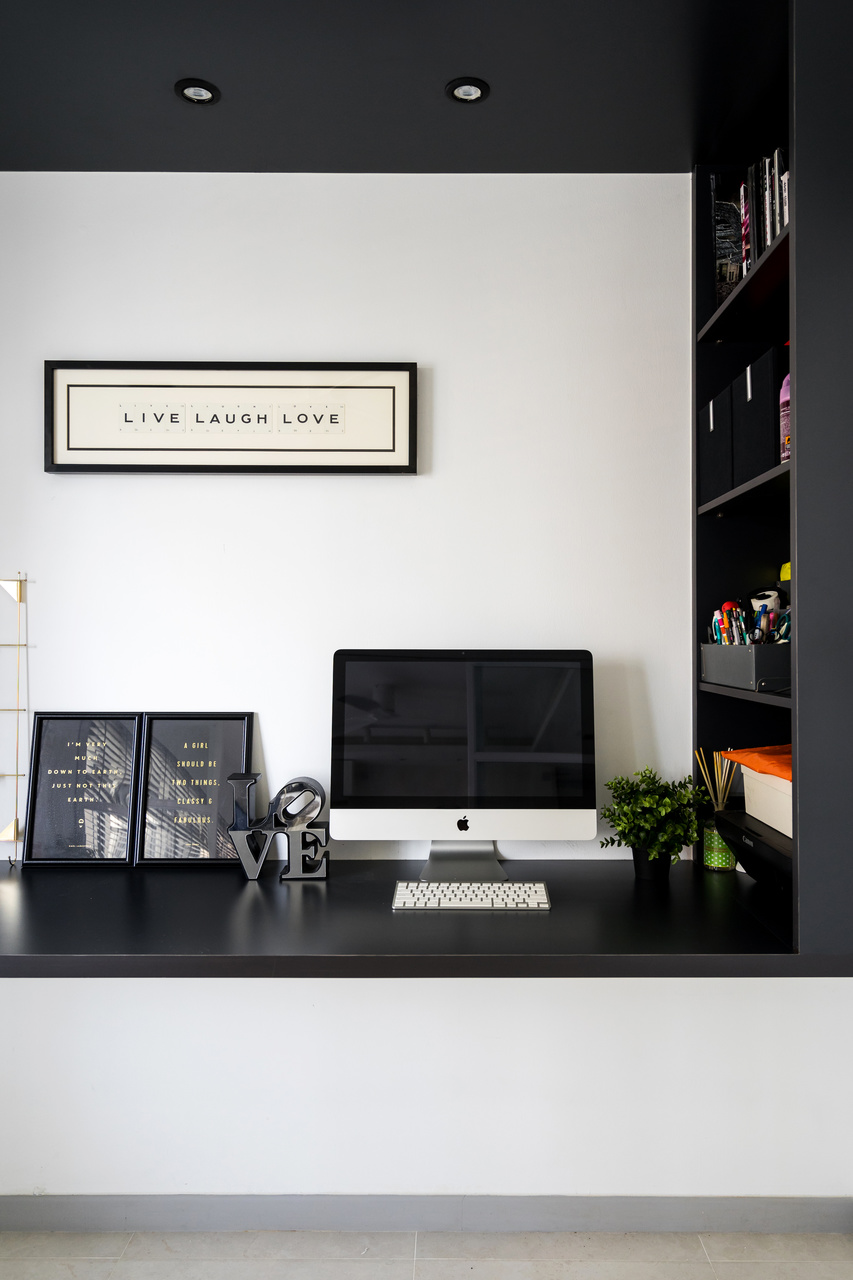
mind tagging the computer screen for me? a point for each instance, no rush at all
(463, 745)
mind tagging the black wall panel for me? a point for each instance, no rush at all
(822, 198)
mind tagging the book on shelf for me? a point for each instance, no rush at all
(728, 238)
(745, 245)
(756, 223)
(767, 194)
(749, 216)
(784, 199)
(780, 196)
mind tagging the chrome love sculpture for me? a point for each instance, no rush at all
(292, 813)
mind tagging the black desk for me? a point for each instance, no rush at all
(211, 922)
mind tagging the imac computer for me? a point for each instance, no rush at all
(463, 748)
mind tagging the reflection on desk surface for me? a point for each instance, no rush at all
(140, 917)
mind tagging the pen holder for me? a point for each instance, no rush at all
(717, 856)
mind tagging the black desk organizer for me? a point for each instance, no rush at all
(756, 441)
(739, 430)
(715, 448)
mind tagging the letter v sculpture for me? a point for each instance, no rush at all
(306, 838)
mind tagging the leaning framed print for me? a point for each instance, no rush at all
(151, 416)
(82, 800)
(186, 804)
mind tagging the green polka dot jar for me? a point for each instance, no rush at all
(717, 854)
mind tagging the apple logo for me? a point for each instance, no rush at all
(462, 824)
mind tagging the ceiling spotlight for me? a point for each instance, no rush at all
(467, 89)
(200, 92)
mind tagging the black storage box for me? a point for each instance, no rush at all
(715, 448)
(756, 444)
(765, 668)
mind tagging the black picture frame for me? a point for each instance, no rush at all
(186, 759)
(94, 411)
(82, 801)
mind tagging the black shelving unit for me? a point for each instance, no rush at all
(805, 284)
(742, 537)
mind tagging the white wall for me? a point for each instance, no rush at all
(549, 316)
(671, 1087)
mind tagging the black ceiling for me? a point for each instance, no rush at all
(358, 85)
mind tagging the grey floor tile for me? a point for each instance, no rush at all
(637, 1246)
(63, 1244)
(193, 1269)
(747, 1246)
(339, 1269)
(152, 1246)
(348, 1269)
(344, 1269)
(266, 1269)
(553, 1269)
(56, 1268)
(333, 1244)
(781, 1270)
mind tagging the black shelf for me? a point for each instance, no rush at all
(748, 695)
(758, 304)
(776, 481)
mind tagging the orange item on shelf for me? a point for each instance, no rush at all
(773, 760)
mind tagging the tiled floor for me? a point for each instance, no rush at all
(425, 1255)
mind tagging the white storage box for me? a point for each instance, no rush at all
(769, 799)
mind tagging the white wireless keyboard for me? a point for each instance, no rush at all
(446, 895)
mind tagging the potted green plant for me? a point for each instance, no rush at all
(656, 819)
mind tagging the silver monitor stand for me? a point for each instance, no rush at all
(463, 860)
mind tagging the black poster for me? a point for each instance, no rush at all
(81, 802)
(186, 802)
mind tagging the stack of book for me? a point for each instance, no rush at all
(763, 207)
(747, 218)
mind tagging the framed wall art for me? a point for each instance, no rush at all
(82, 799)
(186, 803)
(149, 416)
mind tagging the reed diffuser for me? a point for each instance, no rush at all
(717, 855)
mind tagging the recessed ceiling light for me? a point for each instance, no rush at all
(467, 89)
(201, 92)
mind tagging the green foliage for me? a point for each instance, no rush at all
(660, 817)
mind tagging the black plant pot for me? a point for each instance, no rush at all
(646, 868)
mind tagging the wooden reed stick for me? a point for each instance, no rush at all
(700, 756)
(724, 773)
